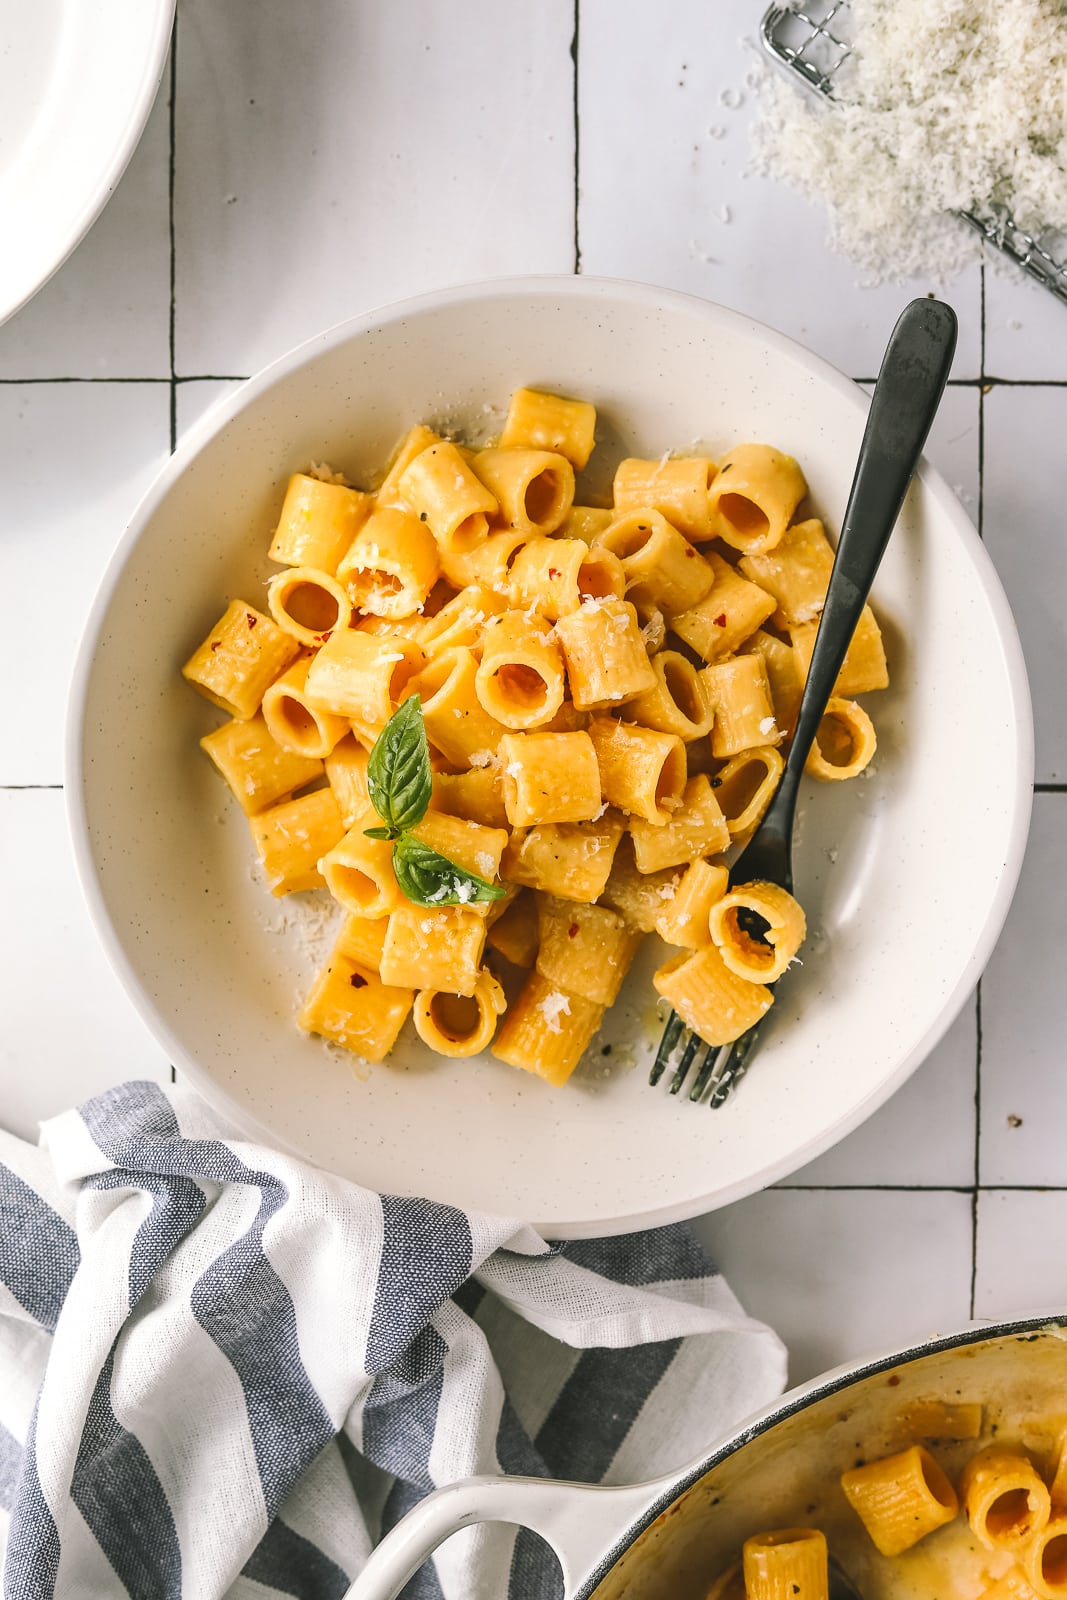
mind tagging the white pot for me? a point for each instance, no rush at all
(668, 1539)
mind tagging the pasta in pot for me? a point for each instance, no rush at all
(514, 734)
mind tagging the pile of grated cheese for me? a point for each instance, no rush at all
(943, 106)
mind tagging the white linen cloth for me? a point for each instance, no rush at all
(225, 1373)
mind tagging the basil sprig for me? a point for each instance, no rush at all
(399, 783)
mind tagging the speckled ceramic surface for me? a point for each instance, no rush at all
(906, 874)
(76, 85)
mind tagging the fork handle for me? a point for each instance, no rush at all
(912, 379)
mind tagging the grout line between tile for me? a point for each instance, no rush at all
(577, 189)
(920, 1188)
(170, 224)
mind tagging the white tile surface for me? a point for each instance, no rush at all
(69, 1030)
(1023, 529)
(657, 187)
(430, 145)
(846, 1273)
(106, 313)
(1016, 1271)
(74, 460)
(1024, 1019)
(313, 183)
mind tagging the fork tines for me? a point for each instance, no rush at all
(718, 1068)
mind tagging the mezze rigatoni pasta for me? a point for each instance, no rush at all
(513, 735)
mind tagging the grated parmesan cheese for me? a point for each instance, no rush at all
(552, 1007)
(943, 106)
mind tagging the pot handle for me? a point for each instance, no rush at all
(579, 1521)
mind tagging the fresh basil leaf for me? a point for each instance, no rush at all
(379, 833)
(429, 879)
(398, 771)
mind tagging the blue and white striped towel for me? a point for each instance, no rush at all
(224, 1373)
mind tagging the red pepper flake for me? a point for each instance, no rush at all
(720, 620)
(689, 552)
(216, 644)
(321, 638)
(572, 930)
(357, 981)
(553, 572)
(251, 618)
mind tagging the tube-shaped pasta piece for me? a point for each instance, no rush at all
(533, 488)
(520, 678)
(291, 839)
(346, 770)
(244, 652)
(729, 1585)
(515, 933)
(675, 487)
(391, 565)
(258, 771)
(488, 565)
(361, 939)
(308, 603)
(697, 828)
(569, 859)
(900, 1499)
(864, 668)
(1058, 1483)
(844, 744)
(546, 1030)
(1012, 1585)
(744, 715)
(456, 503)
(461, 621)
(639, 897)
(434, 948)
(456, 722)
(709, 998)
(468, 844)
(663, 571)
(728, 615)
(414, 442)
(554, 576)
(477, 795)
(318, 522)
(362, 675)
(678, 703)
(540, 421)
(294, 722)
(783, 675)
(943, 1419)
(788, 1564)
(745, 787)
(607, 662)
(752, 500)
(796, 572)
(359, 873)
(350, 1005)
(763, 959)
(1044, 1558)
(1004, 1499)
(456, 1024)
(550, 777)
(684, 918)
(586, 949)
(641, 770)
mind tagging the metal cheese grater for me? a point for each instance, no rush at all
(812, 39)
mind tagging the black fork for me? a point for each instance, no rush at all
(910, 384)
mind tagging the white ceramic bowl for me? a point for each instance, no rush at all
(906, 874)
(77, 81)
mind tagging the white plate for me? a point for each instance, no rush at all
(906, 874)
(77, 81)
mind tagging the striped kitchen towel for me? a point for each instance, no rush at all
(225, 1373)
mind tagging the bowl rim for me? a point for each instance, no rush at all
(82, 217)
(541, 286)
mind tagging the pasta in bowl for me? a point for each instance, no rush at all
(219, 969)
